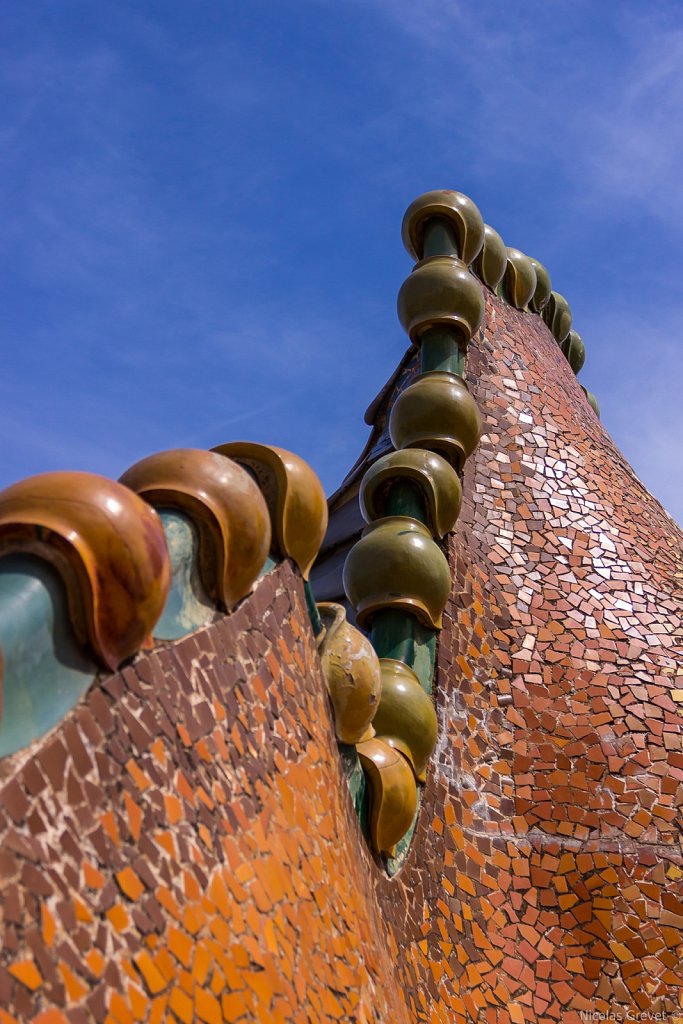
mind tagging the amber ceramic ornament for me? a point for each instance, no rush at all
(225, 505)
(294, 495)
(440, 292)
(557, 316)
(396, 564)
(437, 412)
(108, 546)
(454, 209)
(352, 673)
(541, 296)
(393, 793)
(574, 350)
(491, 262)
(406, 718)
(519, 280)
(436, 479)
(592, 401)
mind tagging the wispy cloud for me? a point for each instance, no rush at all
(643, 362)
(636, 133)
(563, 87)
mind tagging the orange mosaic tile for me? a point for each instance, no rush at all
(26, 973)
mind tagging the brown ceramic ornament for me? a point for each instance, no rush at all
(352, 673)
(107, 544)
(226, 506)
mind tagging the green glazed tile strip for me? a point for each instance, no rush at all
(47, 670)
(187, 607)
(439, 239)
(441, 350)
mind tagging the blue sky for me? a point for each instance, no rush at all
(201, 206)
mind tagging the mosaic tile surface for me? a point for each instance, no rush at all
(182, 846)
(182, 849)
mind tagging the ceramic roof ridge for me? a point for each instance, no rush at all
(92, 570)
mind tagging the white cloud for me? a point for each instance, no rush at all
(637, 130)
(598, 102)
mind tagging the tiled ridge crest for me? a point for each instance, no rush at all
(395, 576)
(92, 571)
(558, 790)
